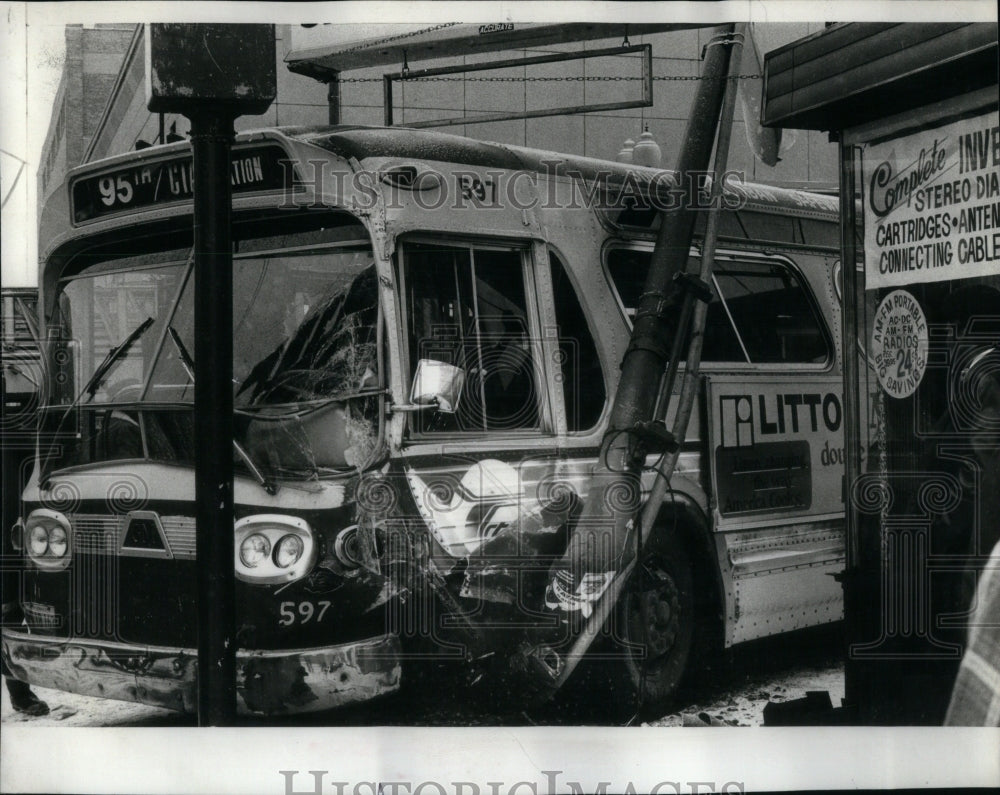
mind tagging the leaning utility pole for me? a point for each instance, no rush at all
(585, 582)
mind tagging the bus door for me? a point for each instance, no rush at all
(776, 461)
(774, 447)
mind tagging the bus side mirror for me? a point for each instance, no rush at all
(436, 385)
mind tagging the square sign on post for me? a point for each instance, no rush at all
(203, 65)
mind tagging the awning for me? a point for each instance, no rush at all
(320, 51)
(853, 72)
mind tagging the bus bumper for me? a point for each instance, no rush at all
(268, 682)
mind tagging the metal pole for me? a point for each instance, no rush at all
(598, 545)
(651, 508)
(645, 359)
(387, 101)
(853, 625)
(211, 142)
(643, 365)
(689, 386)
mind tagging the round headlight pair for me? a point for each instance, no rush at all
(256, 548)
(273, 548)
(47, 536)
(47, 540)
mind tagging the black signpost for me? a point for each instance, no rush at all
(212, 74)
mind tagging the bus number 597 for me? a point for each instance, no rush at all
(301, 612)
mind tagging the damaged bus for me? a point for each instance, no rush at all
(427, 332)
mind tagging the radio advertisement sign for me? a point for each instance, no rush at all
(777, 446)
(932, 204)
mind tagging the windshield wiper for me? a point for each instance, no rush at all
(187, 362)
(113, 356)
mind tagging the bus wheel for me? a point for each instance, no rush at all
(656, 620)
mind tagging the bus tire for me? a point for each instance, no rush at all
(655, 624)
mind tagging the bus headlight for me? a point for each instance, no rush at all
(288, 551)
(254, 549)
(48, 535)
(58, 541)
(273, 548)
(38, 540)
(17, 536)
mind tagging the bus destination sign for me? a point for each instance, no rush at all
(261, 168)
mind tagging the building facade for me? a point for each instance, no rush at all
(109, 115)
(94, 57)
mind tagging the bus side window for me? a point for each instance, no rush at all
(584, 390)
(760, 313)
(772, 312)
(628, 268)
(466, 306)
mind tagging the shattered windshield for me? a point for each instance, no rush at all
(306, 372)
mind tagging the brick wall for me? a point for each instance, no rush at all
(94, 59)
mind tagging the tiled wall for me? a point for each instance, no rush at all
(808, 157)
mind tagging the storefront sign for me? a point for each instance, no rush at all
(899, 344)
(932, 204)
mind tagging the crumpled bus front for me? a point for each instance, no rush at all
(109, 529)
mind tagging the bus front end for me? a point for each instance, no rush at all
(107, 527)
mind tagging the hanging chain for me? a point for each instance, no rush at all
(575, 79)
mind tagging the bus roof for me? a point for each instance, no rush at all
(401, 143)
